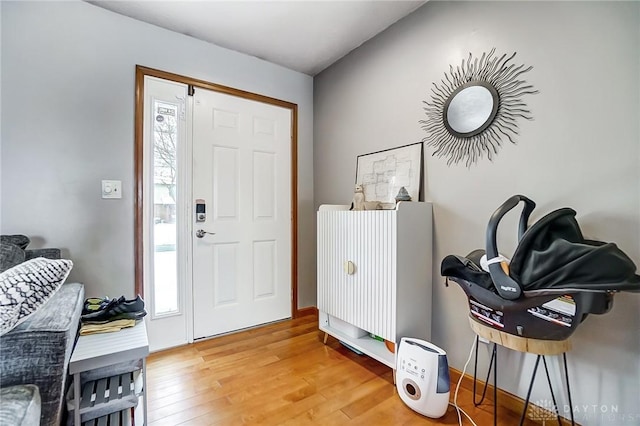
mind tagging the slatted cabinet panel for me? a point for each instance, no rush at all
(365, 298)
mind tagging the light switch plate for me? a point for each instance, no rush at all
(111, 189)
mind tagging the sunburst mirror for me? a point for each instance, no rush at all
(475, 107)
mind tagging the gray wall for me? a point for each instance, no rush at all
(581, 151)
(68, 122)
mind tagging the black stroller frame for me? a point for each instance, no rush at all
(555, 279)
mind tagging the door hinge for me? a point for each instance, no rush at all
(191, 90)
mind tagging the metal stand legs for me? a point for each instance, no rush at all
(493, 365)
(566, 378)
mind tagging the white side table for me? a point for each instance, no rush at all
(101, 350)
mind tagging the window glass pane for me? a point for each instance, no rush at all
(165, 139)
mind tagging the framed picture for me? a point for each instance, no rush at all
(383, 173)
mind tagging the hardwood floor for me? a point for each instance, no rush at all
(282, 374)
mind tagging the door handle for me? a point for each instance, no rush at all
(201, 233)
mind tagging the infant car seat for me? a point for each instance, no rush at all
(554, 280)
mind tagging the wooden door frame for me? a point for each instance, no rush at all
(141, 72)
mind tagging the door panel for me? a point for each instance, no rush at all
(225, 274)
(264, 261)
(242, 169)
(225, 183)
(264, 186)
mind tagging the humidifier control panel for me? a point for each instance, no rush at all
(412, 367)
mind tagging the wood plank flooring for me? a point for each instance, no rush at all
(283, 374)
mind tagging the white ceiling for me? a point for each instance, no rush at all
(306, 36)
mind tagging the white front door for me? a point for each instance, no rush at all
(242, 173)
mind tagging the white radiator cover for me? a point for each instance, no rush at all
(389, 292)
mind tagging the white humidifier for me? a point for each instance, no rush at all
(422, 377)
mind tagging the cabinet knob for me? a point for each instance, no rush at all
(349, 267)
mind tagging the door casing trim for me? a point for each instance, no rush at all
(141, 72)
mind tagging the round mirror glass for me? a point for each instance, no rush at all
(471, 109)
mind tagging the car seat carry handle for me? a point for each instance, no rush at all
(507, 288)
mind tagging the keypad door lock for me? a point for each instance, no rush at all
(201, 214)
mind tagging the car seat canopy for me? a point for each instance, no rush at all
(554, 253)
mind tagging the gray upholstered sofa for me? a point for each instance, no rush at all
(34, 356)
